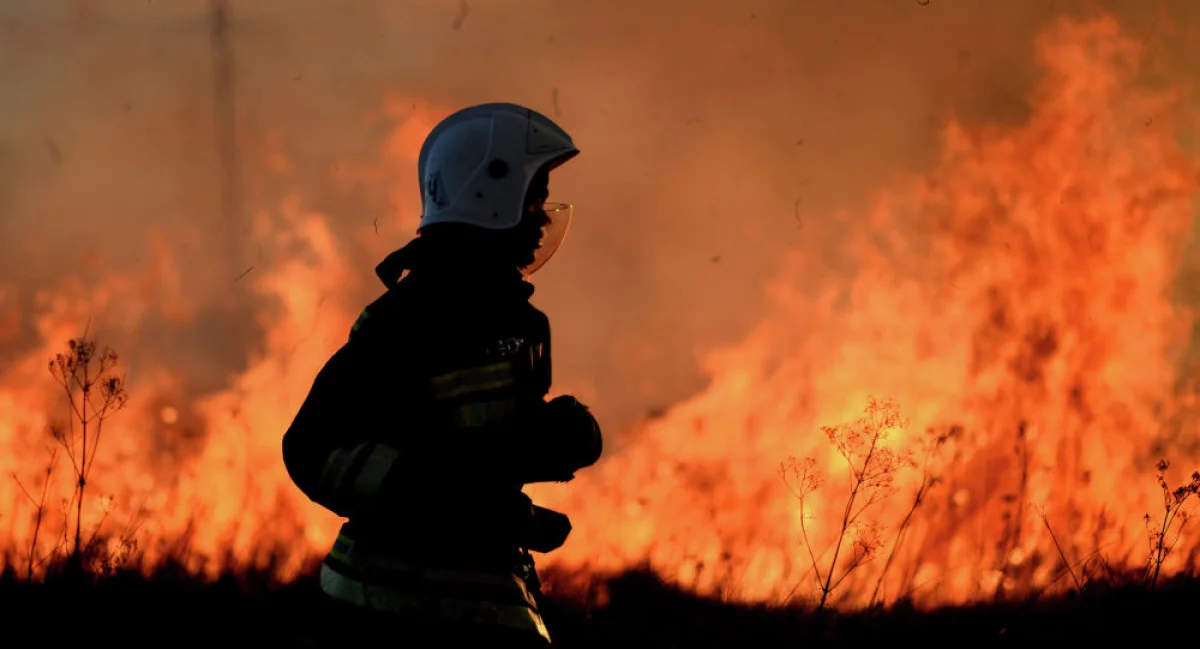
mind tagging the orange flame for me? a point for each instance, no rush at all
(1018, 293)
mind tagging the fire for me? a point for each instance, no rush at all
(1013, 302)
(201, 481)
(1018, 294)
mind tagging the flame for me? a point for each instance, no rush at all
(1016, 295)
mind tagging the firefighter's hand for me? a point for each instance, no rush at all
(548, 531)
(573, 432)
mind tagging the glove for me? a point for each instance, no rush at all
(549, 530)
(568, 438)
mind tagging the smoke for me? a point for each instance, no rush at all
(716, 136)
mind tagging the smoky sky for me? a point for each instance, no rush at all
(712, 132)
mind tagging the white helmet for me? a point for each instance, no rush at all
(476, 166)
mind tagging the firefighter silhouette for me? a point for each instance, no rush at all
(423, 429)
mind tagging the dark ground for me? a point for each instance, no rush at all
(129, 611)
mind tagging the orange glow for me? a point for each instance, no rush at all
(1017, 293)
(1020, 286)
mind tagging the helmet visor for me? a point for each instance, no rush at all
(558, 217)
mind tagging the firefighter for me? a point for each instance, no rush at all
(423, 429)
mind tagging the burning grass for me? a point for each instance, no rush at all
(640, 610)
(100, 574)
(1015, 300)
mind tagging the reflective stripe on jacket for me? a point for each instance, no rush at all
(427, 594)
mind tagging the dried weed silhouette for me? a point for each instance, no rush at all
(872, 465)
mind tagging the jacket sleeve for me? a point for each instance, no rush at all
(498, 423)
(376, 425)
(562, 434)
(332, 450)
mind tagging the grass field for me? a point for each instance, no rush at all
(171, 610)
(172, 607)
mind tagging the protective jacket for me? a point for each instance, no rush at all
(422, 430)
